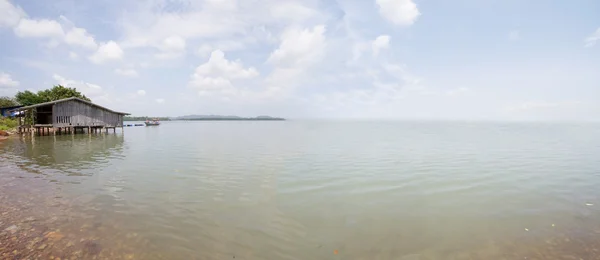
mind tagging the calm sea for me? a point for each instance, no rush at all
(308, 190)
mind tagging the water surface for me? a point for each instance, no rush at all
(311, 190)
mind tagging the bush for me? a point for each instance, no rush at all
(8, 123)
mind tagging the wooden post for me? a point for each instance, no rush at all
(53, 131)
(89, 130)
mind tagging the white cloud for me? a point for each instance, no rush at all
(126, 72)
(10, 14)
(299, 47)
(208, 20)
(80, 37)
(205, 49)
(400, 72)
(73, 56)
(218, 65)
(591, 40)
(217, 73)
(160, 100)
(298, 52)
(141, 92)
(381, 42)
(173, 44)
(52, 43)
(148, 24)
(168, 55)
(171, 47)
(106, 52)
(291, 11)
(28, 28)
(399, 12)
(88, 89)
(7, 81)
(52, 29)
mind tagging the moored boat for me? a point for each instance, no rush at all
(152, 122)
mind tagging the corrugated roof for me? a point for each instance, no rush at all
(11, 107)
(67, 99)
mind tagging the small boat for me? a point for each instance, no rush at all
(152, 122)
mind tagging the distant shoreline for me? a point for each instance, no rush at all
(231, 119)
(218, 119)
(206, 118)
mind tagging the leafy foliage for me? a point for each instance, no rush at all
(28, 98)
(8, 123)
(8, 102)
(57, 92)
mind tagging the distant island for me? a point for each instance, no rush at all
(204, 118)
(232, 118)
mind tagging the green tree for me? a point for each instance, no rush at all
(8, 102)
(28, 98)
(55, 93)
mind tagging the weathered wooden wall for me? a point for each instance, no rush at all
(75, 113)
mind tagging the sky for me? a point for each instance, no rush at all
(362, 59)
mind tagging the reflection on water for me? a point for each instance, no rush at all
(68, 153)
(308, 190)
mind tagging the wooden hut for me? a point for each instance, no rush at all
(68, 115)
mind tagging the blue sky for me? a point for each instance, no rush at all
(404, 59)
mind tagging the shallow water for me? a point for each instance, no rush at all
(307, 190)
